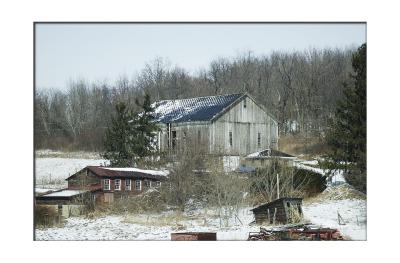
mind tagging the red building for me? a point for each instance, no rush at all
(108, 183)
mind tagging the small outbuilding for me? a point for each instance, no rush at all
(65, 202)
(266, 157)
(280, 211)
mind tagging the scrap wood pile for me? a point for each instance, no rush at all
(296, 232)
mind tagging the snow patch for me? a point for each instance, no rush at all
(153, 172)
(151, 226)
(65, 193)
(53, 171)
(353, 212)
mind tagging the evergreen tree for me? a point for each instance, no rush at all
(118, 143)
(347, 137)
(144, 130)
(131, 137)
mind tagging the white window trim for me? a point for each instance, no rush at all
(117, 189)
(140, 185)
(109, 184)
(130, 185)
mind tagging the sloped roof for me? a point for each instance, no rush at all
(273, 203)
(193, 109)
(269, 153)
(110, 172)
(65, 193)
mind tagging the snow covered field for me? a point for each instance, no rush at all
(353, 212)
(149, 227)
(51, 169)
(160, 226)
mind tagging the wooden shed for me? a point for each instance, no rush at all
(280, 211)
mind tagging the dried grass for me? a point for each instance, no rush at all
(303, 145)
(340, 192)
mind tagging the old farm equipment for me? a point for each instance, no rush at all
(296, 232)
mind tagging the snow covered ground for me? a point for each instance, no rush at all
(160, 226)
(53, 167)
(150, 227)
(51, 171)
(353, 212)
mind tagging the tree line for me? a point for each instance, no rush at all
(299, 88)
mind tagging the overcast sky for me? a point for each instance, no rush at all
(107, 51)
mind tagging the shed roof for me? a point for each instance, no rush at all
(65, 193)
(193, 109)
(269, 153)
(125, 172)
(271, 204)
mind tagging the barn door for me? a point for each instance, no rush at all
(248, 139)
(108, 198)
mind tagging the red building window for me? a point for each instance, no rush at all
(117, 184)
(106, 184)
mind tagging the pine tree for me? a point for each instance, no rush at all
(144, 130)
(118, 143)
(347, 137)
(131, 137)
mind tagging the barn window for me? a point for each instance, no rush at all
(244, 103)
(106, 184)
(259, 139)
(117, 184)
(230, 139)
(173, 140)
(158, 184)
(138, 185)
(128, 184)
(198, 136)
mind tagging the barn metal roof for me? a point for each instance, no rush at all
(110, 172)
(193, 109)
(269, 153)
(273, 203)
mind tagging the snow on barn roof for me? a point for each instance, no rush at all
(193, 109)
(270, 153)
(65, 193)
(124, 172)
(153, 172)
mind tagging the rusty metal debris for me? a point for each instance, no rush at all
(296, 232)
(194, 236)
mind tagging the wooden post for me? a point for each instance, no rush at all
(277, 184)
(340, 219)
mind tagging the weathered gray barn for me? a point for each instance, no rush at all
(227, 125)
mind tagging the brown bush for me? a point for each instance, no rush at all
(46, 216)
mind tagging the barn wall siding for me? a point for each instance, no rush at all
(245, 123)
